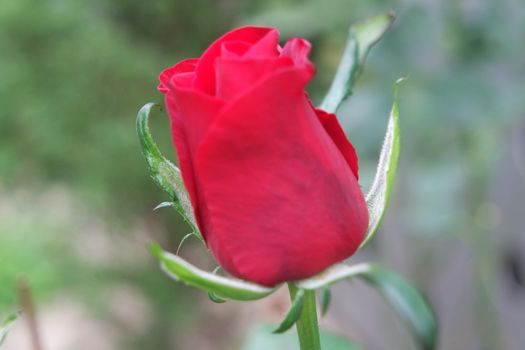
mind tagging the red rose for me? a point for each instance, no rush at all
(272, 179)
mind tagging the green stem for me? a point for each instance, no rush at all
(307, 327)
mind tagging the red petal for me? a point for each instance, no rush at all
(333, 128)
(205, 80)
(298, 49)
(281, 202)
(185, 66)
(180, 140)
(234, 49)
(191, 113)
(266, 47)
(236, 76)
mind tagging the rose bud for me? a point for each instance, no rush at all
(273, 181)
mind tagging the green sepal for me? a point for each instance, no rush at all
(6, 325)
(409, 303)
(223, 287)
(369, 32)
(362, 36)
(163, 172)
(378, 197)
(326, 298)
(293, 314)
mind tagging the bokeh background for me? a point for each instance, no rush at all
(76, 201)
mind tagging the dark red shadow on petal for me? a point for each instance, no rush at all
(333, 128)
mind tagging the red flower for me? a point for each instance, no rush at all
(272, 180)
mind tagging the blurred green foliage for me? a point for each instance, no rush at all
(262, 338)
(74, 73)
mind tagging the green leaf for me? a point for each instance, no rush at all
(6, 325)
(410, 304)
(378, 197)
(362, 36)
(223, 287)
(165, 174)
(262, 338)
(293, 314)
(326, 298)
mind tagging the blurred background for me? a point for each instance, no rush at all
(76, 201)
